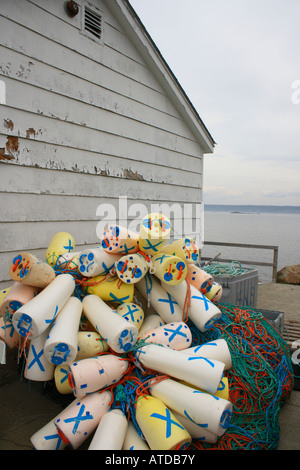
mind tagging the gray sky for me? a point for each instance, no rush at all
(239, 63)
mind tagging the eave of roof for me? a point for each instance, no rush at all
(139, 33)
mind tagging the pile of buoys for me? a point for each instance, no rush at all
(117, 328)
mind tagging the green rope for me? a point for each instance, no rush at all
(226, 270)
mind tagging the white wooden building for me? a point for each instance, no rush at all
(90, 111)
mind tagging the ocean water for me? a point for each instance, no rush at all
(260, 225)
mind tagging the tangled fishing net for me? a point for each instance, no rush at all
(260, 380)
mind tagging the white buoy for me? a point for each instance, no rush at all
(175, 335)
(18, 295)
(196, 431)
(199, 278)
(94, 373)
(34, 317)
(161, 301)
(202, 312)
(133, 441)
(8, 334)
(119, 334)
(38, 368)
(196, 370)
(110, 433)
(28, 269)
(117, 239)
(150, 322)
(216, 349)
(78, 421)
(132, 268)
(207, 411)
(96, 261)
(68, 260)
(47, 438)
(62, 343)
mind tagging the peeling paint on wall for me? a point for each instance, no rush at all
(9, 124)
(30, 132)
(4, 156)
(12, 144)
(133, 175)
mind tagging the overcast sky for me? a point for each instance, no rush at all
(239, 63)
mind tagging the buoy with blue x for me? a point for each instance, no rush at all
(109, 326)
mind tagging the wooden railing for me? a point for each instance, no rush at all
(273, 265)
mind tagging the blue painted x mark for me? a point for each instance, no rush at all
(6, 326)
(170, 301)
(151, 246)
(205, 300)
(55, 313)
(80, 417)
(64, 371)
(126, 250)
(54, 436)
(130, 311)
(192, 358)
(69, 247)
(175, 332)
(117, 299)
(200, 346)
(169, 421)
(161, 258)
(36, 359)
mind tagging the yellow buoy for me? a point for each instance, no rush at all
(110, 289)
(159, 426)
(185, 248)
(62, 242)
(169, 268)
(154, 232)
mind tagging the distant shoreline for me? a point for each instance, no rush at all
(251, 209)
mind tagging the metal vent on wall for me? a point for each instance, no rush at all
(92, 22)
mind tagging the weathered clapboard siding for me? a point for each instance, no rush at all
(35, 72)
(84, 123)
(59, 56)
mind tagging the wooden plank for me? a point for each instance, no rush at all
(41, 155)
(45, 129)
(35, 46)
(27, 236)
(22, 207)
(120, 54)
(164, 166)
(17, 66)
(22, 96)
(14, 178)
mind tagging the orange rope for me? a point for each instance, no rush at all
(187, 302)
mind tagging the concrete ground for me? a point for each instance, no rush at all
(285, 298)
(27, 407)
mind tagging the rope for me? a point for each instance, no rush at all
(260, 379)
(226, 270)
